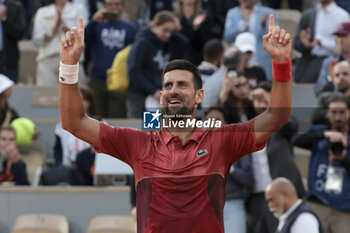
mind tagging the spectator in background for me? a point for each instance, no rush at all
(29, 7)
(341, 77)
(7, 114)
(216, 11)
(275, 160)
(293, 4)
(195, 25)
(238, 184)
(12, 168)
(148, 8)
(89, 5)
(153, 48)
(315, 39)
(295, 216)
(250, 17)
(234, 97)
(246, 43)
(324, 81)
(67, 146)
(105, 35)
(85, 165)
(213, 58)
(233, 60)
(329, 169)
(50, 24)
(12, 29)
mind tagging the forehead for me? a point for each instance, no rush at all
(342, 66)
(178, 76)
(7, 134)
(167, 26)
(242, 79)
(337, 105)
(114, 2)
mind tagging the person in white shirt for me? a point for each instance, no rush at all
(50, 24)
(315, 38)
(294, 215)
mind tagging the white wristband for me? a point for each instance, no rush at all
(68, 73)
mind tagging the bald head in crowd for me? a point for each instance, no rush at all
(341, 77)
(280, 195)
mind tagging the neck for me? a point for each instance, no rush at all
(324, 5)
(188, 11)
(248, 6)
(292, 202)
(183, 133)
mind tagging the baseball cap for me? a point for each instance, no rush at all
(246, 42)
(5, 83)
(343, 29)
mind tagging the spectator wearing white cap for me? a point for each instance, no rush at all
(246, 43)
(251, 17)
(7, 114)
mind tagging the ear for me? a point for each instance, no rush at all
(160, 99)
(199, 96)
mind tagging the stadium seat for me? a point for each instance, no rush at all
(289, 20)
(112, 224)
(41, 223)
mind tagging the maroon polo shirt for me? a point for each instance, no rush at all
(180, 187)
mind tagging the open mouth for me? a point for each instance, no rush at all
(174, 102)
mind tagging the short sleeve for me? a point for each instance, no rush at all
(122, 143)
(239, 140)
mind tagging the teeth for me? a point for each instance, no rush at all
(175, 101)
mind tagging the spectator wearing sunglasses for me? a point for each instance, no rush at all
(234, 97)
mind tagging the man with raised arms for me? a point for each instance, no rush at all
(179, 172)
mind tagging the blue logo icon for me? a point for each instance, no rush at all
(151, 120)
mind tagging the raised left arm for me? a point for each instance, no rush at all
(277, 43)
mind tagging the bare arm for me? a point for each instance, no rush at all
(278, 112)
(72, 113)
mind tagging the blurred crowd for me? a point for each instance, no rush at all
(120, 76)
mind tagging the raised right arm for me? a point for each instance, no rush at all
(72, 114)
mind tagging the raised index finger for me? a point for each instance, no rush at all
(81, 28)
(271, 23)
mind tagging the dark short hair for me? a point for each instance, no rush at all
(218, 108)
(338, 97)
(232, 57)
(122, 1)
(88, 95)
(162, 17)
(179, 64)
(265, 85)
(213, 49)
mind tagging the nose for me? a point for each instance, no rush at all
(173, 90)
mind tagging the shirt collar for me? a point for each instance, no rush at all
(284, 216)
(206, 65)
(167, 136)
